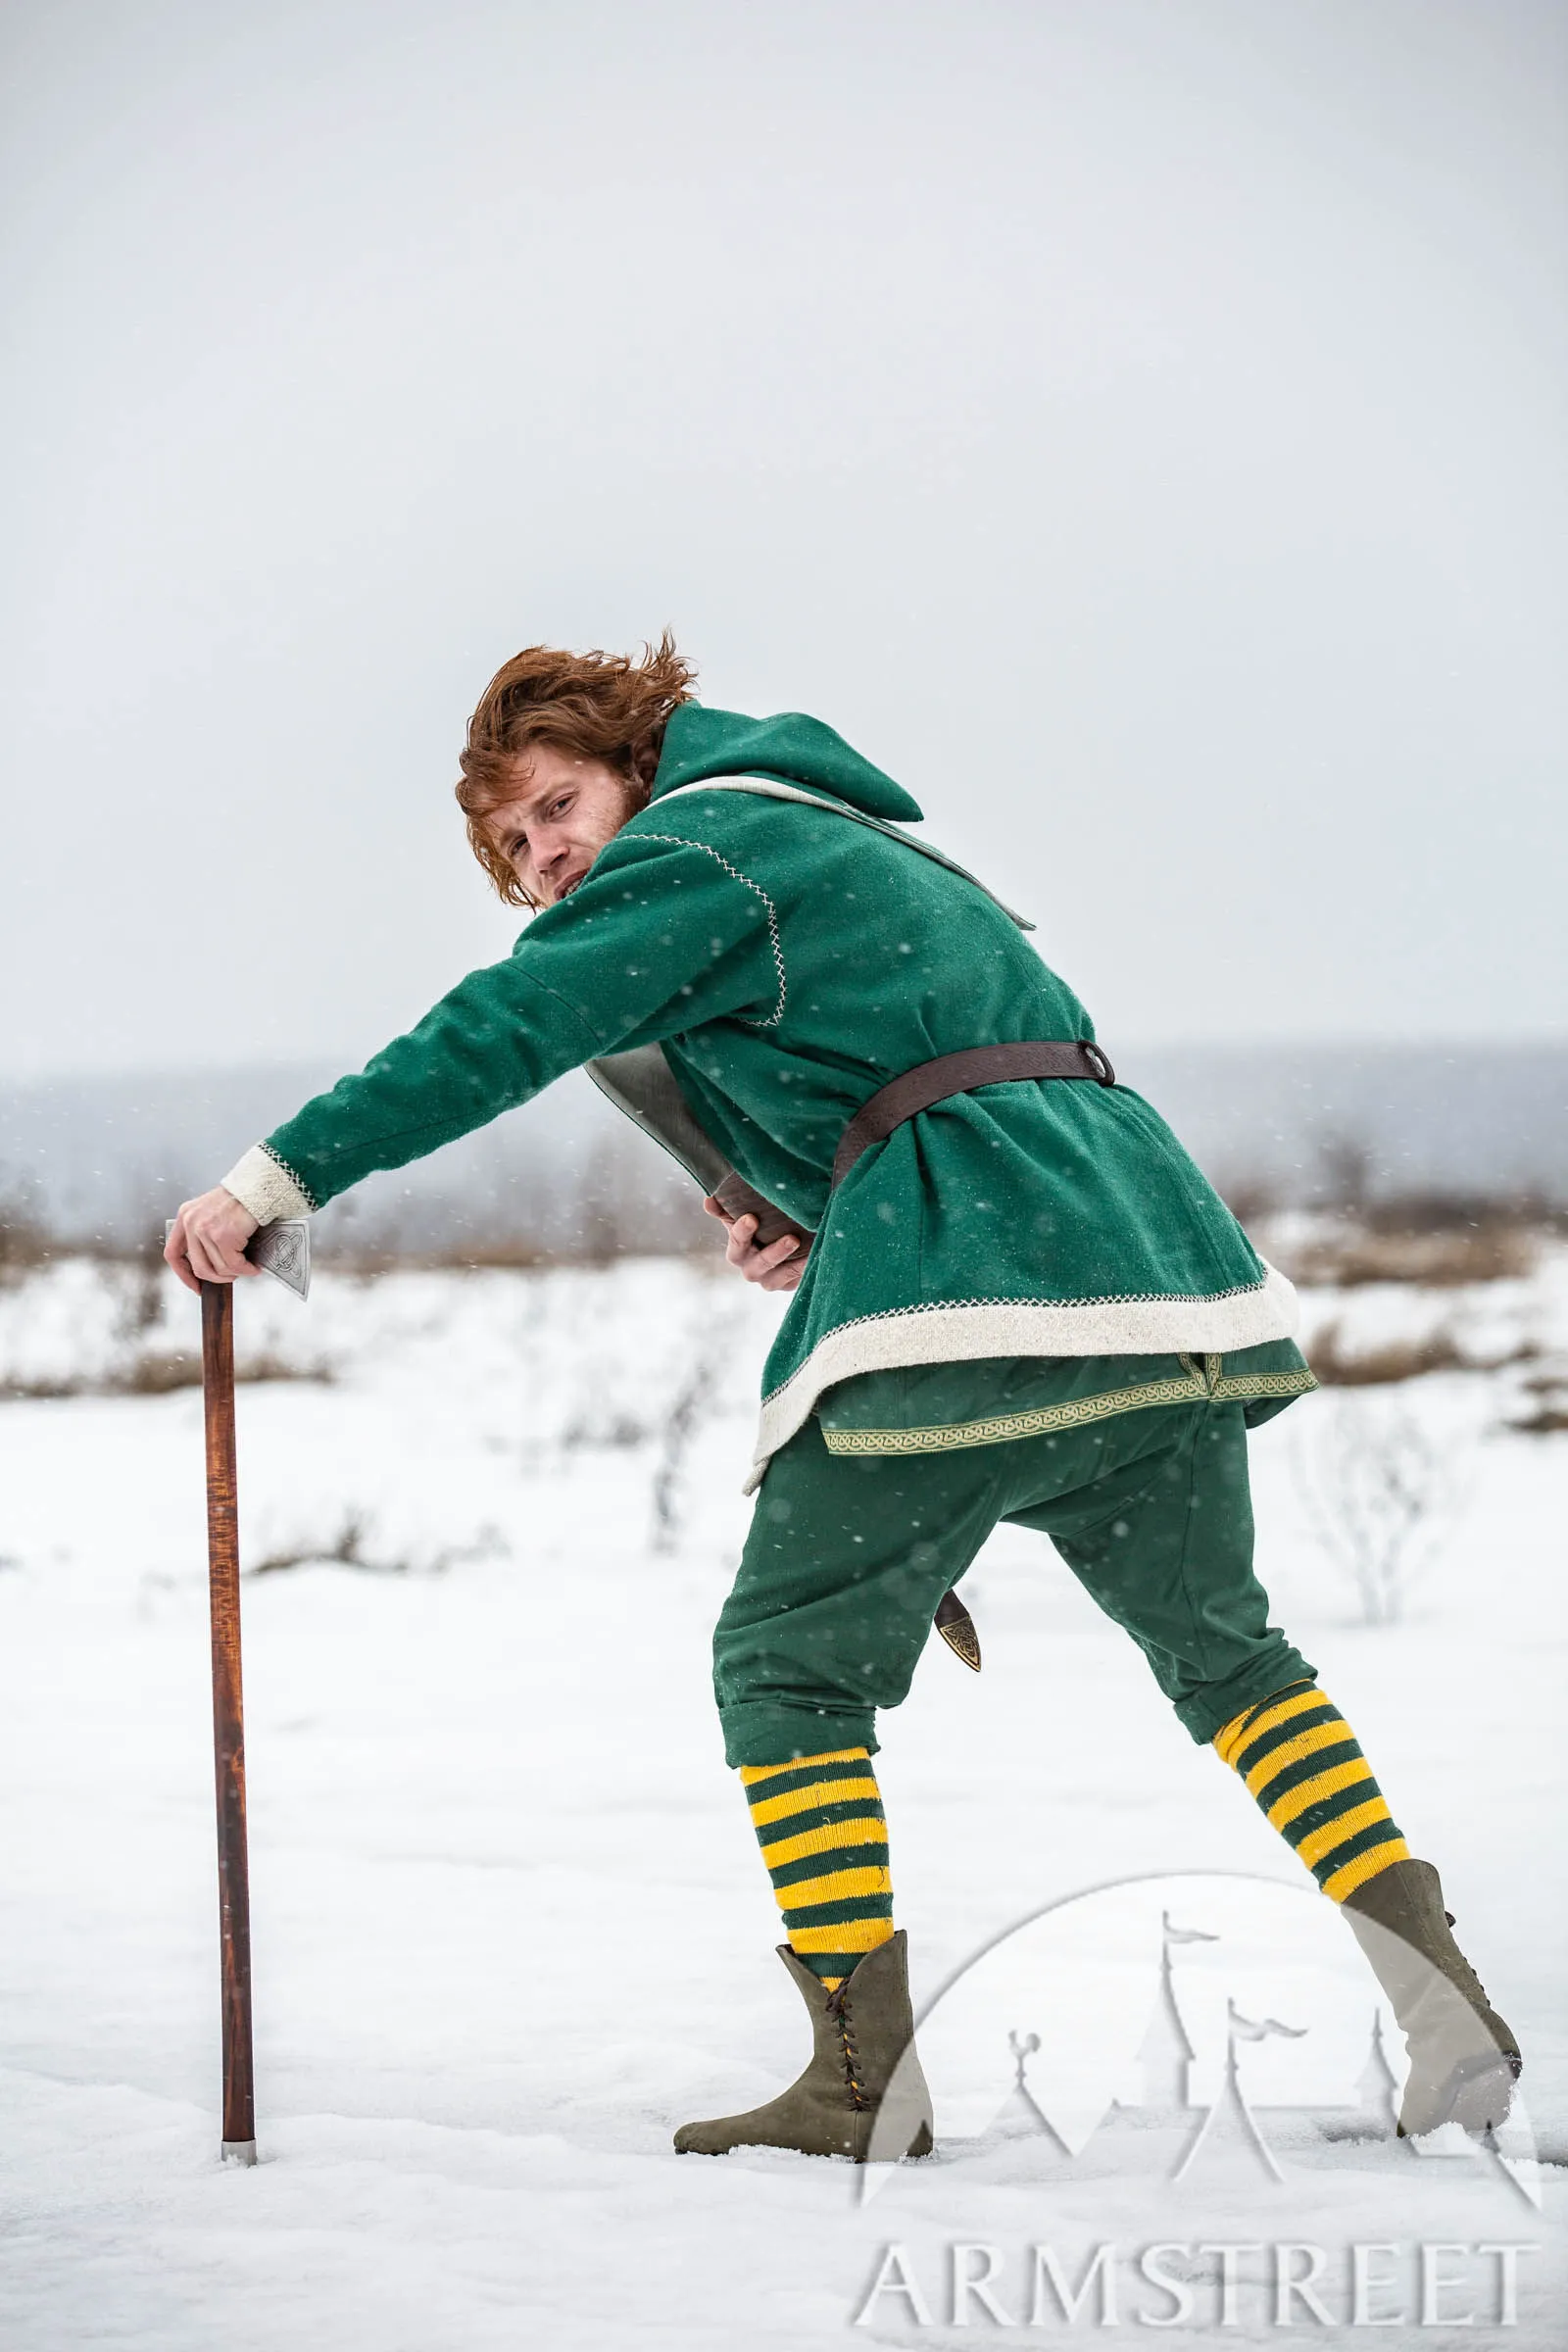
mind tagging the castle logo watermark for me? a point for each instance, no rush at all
(1203, 2071)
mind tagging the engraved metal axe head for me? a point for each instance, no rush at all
(282, 1249)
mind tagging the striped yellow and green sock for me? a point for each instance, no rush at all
(1300, 1760)
(819, 1823)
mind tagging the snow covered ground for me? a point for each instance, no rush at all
(510, 1924)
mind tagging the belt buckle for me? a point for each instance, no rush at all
(1099, 1062)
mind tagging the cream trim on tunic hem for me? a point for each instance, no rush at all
(968, 1330)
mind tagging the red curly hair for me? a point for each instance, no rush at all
(594, 705)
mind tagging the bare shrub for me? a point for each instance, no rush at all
(1379, 1495)
(629, 1201)
(511, 1252)
(264, 1364)
(1548, 1413)
(1547, 1421)
(26, 1241)
(632, 1205)
(1440, 1259)
(1252, 1199)
(397, 1245)
(345, 1545)
(156, 1372)
(688, 1409)
(1344, 1170)
(1337, 1366)
(613, 1432)
(354, 1543)
(141, 1276)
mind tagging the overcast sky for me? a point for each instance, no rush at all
(1136, 423)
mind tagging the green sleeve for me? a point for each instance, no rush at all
(661, 936)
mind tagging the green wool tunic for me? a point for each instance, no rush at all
(764, 925)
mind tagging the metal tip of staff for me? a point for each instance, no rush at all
(238, 2151)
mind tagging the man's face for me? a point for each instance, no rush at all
(564, 811)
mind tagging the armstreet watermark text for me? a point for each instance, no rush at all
(1224, 2284)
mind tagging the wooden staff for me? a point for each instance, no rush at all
(229, 1723)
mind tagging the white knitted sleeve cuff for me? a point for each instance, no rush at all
(264, 1186)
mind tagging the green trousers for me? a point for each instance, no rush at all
(849, 1555)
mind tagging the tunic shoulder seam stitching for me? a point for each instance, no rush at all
(681, 840)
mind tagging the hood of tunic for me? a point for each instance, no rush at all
(701, 744)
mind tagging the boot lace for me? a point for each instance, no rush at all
(843, 2016)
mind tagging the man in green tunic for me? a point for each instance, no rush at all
(1021, 1302)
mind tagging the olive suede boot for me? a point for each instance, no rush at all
(859, 2032)
(1464, 2060)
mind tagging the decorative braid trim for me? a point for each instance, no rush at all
(681, 842)
(267, 1186)
(945, 1438)
(962, 1331)
(998, 1428)
(1265, 1384)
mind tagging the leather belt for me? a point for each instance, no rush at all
(958, 1074)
